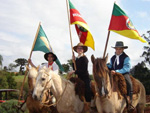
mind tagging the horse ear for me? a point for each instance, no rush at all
(92, 59)
(106, 58)
(38, 67)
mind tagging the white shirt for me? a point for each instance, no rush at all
(54, 67)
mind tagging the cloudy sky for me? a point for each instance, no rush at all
(19, 21)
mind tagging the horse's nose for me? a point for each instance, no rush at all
(35, 97)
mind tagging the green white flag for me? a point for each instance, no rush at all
(42, 44)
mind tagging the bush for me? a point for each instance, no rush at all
(9, 107)
(3, 82)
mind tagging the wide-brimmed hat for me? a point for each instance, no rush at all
(120, 44)
(46, 56)
(80, 45)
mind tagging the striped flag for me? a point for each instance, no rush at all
(81, 26)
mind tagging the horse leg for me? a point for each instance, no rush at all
(98, 104)
(140, 108)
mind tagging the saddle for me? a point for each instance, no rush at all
(120, 85)
(79, 87)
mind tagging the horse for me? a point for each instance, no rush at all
(109, 100)
(35, 106)
(63, 90)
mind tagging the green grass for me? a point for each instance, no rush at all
(19, 78)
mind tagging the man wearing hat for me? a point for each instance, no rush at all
(82, 69)
(120, 62)
(50, 57)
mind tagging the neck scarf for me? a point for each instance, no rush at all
(50, 65)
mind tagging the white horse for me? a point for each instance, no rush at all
(62, 89)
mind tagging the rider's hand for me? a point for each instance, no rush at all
(71, 72)
(29, 60)
(113, 72)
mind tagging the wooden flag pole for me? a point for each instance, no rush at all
(70, 34)
(21, 90)
(106, 44)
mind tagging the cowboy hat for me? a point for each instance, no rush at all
(120, 45)
(80, 45)
(46, 56)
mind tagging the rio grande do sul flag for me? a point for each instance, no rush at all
(121, 24)
(81, 26)
(41, 43)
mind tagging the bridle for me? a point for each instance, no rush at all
(47, 105)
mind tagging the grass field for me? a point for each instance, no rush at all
(19, 79)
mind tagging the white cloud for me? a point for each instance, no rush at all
(142, 14)
(19, 22)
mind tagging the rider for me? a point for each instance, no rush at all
(82, 69)
(50, 57)
(120, 62)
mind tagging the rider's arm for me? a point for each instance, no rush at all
(126, 66)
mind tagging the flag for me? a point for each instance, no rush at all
(121, 24)
(42, 44)
(81, 26)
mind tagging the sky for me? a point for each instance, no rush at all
(19, 21)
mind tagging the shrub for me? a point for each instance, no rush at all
(9, 107)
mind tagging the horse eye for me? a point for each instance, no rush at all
(43, 79)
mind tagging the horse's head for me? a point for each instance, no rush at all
(32, 74)
(43, 83)
(100, 73)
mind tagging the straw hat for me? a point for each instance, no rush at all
(120, 45)
(80, 45)
(46, 56)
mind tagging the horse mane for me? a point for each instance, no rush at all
(32, 72)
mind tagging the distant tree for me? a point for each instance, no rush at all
(5, 68)
(11, 66)
(21, 62)
(12, 84)
(146, 53)
(1, 59)
(3, 82)
(66, 67)
(141, 72)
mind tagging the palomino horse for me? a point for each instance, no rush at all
(108, 100)
(62, 89)
(35, 106)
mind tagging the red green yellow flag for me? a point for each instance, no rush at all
(81, 26)
(121, 24)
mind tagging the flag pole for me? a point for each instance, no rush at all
(107, 38)
(70, 34)
(106, 44)
(21, 90)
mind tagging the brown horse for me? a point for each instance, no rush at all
(35, 106)
(110, 99)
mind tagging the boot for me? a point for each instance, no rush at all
(130, 107)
